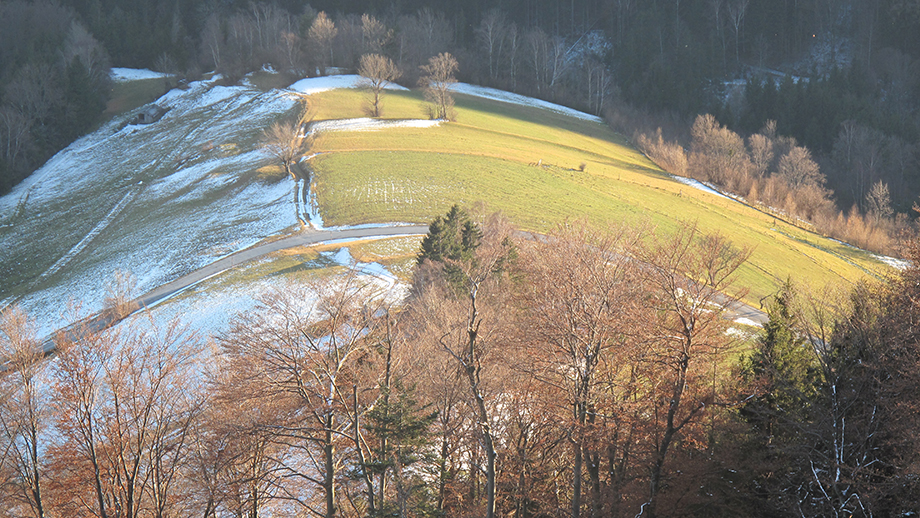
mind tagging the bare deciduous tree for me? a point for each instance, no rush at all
(798, 169)
(119, 294)
(320, 36)
(374, 34)
(878, 203)
(120, 399)
(420, 36)
(305, 359)
(15, 136)
(287, 141)
(437, 78)
(376, 73)
(693, 275)
(583, 297)
(213, 40)
(491, 35)
(761, 154)
(736, 12)
(23, 415)
(717, 153)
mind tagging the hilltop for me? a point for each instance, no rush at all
(165, 199)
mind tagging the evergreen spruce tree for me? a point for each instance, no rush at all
(84, 103)
(452, 240)
(784, 369)
(400, 429)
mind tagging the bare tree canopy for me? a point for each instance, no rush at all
(287, 141)
(320, 36)
(437, 78)
(376, 73)
(798, 169)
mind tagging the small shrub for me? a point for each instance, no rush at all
(669, 156)
(119, 294)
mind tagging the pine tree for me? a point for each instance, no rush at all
(400, 427)
(452, 240)
(84, 104)
(783, 369)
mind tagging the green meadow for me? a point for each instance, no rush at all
(541, 168)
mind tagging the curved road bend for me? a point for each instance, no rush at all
(106, 319)
(254, 252)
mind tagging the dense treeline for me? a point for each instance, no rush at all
(846, 90)
(780, 176)
(53, 84)
(844, 110)
(588, 374)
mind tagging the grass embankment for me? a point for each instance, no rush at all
(526, 162)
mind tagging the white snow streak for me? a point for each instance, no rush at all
(508, 97)
(365, 124)
(88, 238)
(313, 85)
(123, 75)
(696, 184)
(746, 322)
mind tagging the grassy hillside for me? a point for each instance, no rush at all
(165, 199)
(527, 162)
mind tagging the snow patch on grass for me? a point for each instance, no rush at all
(123, 75)
(314, 85)
(508, 97)
(894, 262)
(209, 310)
(366, 124)
(696, 184)
(747, 322)
(195, 190)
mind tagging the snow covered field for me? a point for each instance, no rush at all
(313, 85)
(133, 74)
(158, 200)
(209, 309)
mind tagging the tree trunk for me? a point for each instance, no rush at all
(473, 376)
(670, 430)
(576, 481)
(594, 475)
(329, 475)
(442, 473)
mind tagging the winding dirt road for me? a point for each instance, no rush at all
(310, 237)
(735, 311)
(107, 318)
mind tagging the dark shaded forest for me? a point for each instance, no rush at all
(840, 77)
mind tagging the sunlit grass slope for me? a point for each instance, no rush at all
(526, 162)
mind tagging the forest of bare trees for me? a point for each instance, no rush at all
(588, 373)
(782, 177)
